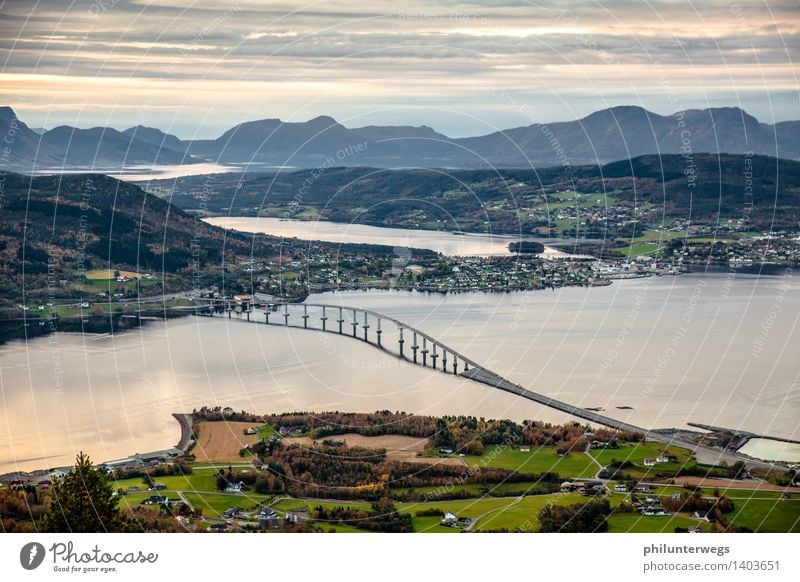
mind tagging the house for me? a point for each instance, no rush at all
(665, 458)
(231, 512)
(273, 522)
(218, 527)
(566, 486)
(621, 488)
(293, 517)
(235, 487)
(449, 519)
(524, 449)
(704, 515)
(250, 430)
(446, 451)
(644, 489)
(649, 462)
(695, 529)
(562, 452)
(156, 500)
(157, 487)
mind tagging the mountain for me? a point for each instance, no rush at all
(69, 147)
(101, 147)
(156, 137)
(617, 133)
(621, 133)
(21, 145)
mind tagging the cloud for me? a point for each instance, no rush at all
(327, 57)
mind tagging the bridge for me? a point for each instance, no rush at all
(414, 346)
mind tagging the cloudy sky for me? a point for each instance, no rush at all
(462, 67)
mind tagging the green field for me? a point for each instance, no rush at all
(538, 460)
(636, 523)
(638, 452)
(214, 504)
(767, 515)
(522, 514)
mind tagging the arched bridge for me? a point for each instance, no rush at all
(417, 347)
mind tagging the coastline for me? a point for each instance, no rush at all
(185, 421)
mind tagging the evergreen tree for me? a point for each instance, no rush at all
(83, 502)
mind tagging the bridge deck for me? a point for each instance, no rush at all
(478, 373)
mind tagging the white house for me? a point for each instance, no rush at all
(449, 519)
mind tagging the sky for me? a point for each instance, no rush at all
(464, 68)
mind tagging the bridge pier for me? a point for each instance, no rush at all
(305, 316)
(248, 315)
(401, 341)
(455, 365)
(286, 314)
(365, 327)
(323, 319)
(354, 324)
(424, 351)
(415, 347)
(378, 333)
(444, 361)
(340, 320)
(266, 316)
(229, 312)
(434, 355)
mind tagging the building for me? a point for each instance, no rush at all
(449, 519)
(649, 462)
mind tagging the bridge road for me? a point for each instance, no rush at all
(469, 368)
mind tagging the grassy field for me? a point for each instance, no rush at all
(636, 523)
(642, 248)
(200, 480)
(523, 514)
(638, 452)
(767, 515)
(214, 504)
(100, 274)
(538, 460)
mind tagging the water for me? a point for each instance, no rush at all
(715, 349)
(772, 450)
(443, 242)
(150, 172)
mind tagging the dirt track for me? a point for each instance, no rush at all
(398, 447)
(728, 484)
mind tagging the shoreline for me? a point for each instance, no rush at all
(185, 421)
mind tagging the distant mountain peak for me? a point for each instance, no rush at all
(7, 113)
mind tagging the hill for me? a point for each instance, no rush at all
(593, 201)
(54, 230)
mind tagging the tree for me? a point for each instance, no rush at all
(83, 502)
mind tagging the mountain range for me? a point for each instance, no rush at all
(617, 133)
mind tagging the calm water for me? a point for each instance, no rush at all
(440, 241)
(712, 349)
(150, 172)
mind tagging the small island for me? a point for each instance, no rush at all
(526, 247)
